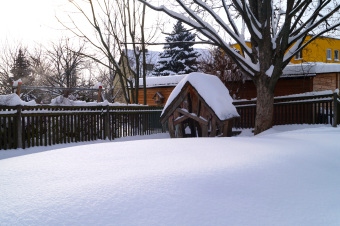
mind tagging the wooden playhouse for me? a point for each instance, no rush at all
(199, 106)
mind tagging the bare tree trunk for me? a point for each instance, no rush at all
(264, 106)
(144, 55)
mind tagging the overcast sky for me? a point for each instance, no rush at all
(33, 22)
(30, 21)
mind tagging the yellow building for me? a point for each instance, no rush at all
(315, 68)
(322, 49)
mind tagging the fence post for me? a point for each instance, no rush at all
(99, 94)
(335, 116)
(19, 88)
(107, 123)
(19, 127)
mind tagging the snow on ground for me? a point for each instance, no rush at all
(278, 178)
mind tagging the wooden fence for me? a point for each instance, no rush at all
(30, 126)
(314, 109)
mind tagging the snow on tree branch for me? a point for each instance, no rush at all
(207, 30)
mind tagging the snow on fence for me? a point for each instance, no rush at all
(30, 126)
(303, 109)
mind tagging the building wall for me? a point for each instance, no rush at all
(328, 81)
(289, 86)
(285, 86)
(316, 51)
(117, 90)
(150, 92)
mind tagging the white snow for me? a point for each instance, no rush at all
(97, 86)
(63, 101)
(281, 178)
(269, 72)
(212, 90)
(15, 83)
(307, 94)
(14, 100)
(311, 68)
(160, 81)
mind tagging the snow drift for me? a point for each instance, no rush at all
(286, 178)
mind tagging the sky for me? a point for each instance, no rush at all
(33, 21)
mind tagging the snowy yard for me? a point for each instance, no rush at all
(286, 176)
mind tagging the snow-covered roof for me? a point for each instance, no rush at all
(291, 70)
(311, 68)
(212, 90)
(159, 81)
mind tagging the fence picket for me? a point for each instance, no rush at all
(49, 125)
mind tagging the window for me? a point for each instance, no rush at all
(329, 54)
(336, 55)
(298, 55)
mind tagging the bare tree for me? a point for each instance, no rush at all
(66, 61)
(220, 64)
(277, 30)
(118, 24)
(7, 58)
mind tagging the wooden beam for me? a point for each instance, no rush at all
(175, 103)
(179, 127)
(227, 128)
(19, 88)
(171, 127)
(204, 130)
(213, 127)
(194, 117)
(99, 94)
(180, 119)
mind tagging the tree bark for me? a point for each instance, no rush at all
(264, 106)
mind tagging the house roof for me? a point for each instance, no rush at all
(213, 92)
(159, 95)
(311, 68)
(291, 70)
(161, 81)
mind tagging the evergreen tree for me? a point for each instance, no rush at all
(177, 57)
(21, 67)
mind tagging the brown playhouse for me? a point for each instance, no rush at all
(199, 106)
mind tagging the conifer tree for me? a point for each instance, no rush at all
(21, 67)
(179, 56)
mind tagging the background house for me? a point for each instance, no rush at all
(315, 68)
(165, 84)
(322, 49)
(129, 58)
